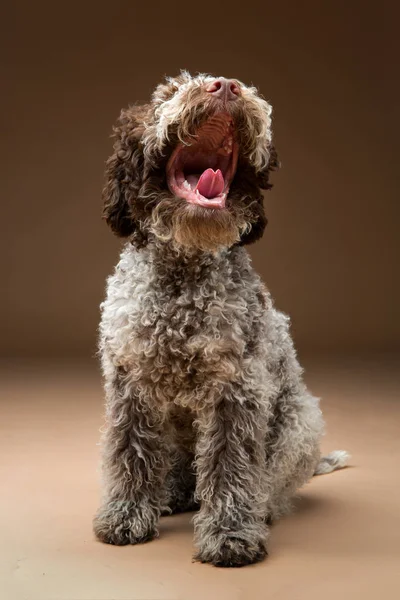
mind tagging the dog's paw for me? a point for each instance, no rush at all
(230, 551)
(119, 526)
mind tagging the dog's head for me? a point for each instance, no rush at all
(189, 167)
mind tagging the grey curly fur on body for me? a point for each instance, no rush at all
(205, 404)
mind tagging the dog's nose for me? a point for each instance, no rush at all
(224, 89)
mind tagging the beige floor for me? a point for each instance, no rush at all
(343, 542)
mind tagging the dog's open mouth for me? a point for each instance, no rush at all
(202, 170)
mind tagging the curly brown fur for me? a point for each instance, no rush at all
(206, 406)
(136, 194)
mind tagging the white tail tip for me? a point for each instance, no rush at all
(338, 459)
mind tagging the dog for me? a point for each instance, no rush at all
(206, 408)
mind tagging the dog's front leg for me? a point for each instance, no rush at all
(134, 467)
(230, 530)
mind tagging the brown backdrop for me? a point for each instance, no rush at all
(331, 251)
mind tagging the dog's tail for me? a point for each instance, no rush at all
(337, 459)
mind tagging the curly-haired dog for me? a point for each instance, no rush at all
(206, 407)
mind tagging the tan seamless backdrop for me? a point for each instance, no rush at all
(331, 251)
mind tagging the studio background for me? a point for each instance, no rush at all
(330, 257)
(330, 253)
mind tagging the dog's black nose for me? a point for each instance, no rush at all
(224, 89)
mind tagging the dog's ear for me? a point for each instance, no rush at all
(262, 181)
(263, 176)
(124, 170)
(258, 222)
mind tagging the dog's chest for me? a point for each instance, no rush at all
(192, 327)
(192, 339)
(182, 336)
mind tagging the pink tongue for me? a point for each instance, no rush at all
(211, 183)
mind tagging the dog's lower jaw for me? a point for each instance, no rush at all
(195, 228)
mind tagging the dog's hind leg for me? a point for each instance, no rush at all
(292, 449)
(181, 484)
(293, 440)
(181, 478)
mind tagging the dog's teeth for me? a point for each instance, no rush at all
(227, 146)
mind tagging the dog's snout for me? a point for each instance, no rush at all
(224, 89)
